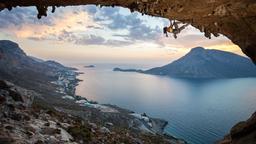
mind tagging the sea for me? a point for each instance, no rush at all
(198, 111)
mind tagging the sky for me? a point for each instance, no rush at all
(93, 34)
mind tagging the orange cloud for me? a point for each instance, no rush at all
(69, 22)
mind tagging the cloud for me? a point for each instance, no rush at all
(144, 32)
(193, 39)
(118, 43)
(91, 25)
(90, 40)
(119, 21)
(78, 25)
(22, 16)
(94, 27)
(91, 9)
(131, 22)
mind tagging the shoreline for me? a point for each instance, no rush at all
(32, 122)
(39, 105)
(136, 121)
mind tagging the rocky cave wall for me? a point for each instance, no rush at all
(236, 19)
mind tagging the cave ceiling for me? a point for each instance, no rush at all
(236, 19)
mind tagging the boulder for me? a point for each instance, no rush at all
(104, 130)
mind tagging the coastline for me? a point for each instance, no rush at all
(31, 122)
(137, 122)
(39, 105)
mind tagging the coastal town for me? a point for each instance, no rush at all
(110, 115)
(66, 82)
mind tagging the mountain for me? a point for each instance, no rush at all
(26, 71)
(36, 59)
(56, 65)
(205, 63)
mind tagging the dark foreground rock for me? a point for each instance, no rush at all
(242, 133)
(24, 120)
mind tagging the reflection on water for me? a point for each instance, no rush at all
(198, 111)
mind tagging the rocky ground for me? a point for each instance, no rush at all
(23, 120)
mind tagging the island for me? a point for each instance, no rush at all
(128, 70)
(89, 66)
(201, 63)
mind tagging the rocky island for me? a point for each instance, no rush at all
(201, 63)
(39, 105)
(89, 66)
(128, 70)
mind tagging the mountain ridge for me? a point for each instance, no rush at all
(17, 67)
(207, 63)
(201, 63)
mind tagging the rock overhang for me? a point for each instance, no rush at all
(234, 19)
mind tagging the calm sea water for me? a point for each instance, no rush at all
(200, 112)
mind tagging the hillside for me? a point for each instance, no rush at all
(204, 63)
(39, 105)
(32, 73)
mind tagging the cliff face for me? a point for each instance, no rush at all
(233, 18)
(242, 133)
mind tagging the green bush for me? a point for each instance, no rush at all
(80, 132)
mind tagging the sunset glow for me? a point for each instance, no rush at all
(98, 34)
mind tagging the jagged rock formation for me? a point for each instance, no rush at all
(242, 133)
(233, 18)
